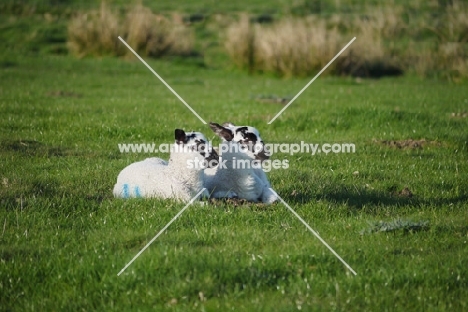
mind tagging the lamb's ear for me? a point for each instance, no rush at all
(228, 124)
(221, 131)
(180, 136)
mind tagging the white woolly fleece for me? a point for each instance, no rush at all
(154, 177)
(248, 183)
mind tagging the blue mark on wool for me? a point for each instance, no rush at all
(126, 193)
(137, 191)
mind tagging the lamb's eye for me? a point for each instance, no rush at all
(251, 137)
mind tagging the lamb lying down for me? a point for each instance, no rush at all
(231, 178)
(181, 178)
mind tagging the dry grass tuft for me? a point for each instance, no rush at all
(95, 33)
(155, 35)
(299, 47)
(240, 40)
(368, 56)
(290, 47)
(296, 47)
(389, 42)
(449, 55)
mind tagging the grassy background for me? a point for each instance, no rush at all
(285, 39)
(64, 238)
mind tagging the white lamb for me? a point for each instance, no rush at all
(239, 173)
(181, 178)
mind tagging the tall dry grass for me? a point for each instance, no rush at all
(447, 56)
(443, 59)
(96, 33)
(388, 43)
(155, 35)
(296, 47)
(240, 43)
(299, 47)
(290, 47)
(371, 55)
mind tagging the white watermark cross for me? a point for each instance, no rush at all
(310, 82)
(315, 233)
(203, 121)
(162, 80)
(162, 231)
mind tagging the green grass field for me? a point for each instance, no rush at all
(64, 238)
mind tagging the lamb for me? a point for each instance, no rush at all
(181, 178)
(231, 178)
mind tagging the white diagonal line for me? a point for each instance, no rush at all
(160, 232)
(313, 79)
(315, 233)
(162, 80)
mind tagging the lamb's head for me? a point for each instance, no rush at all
(247, 137)
(196, 142)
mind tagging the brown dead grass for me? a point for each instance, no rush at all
(96, 33)
(299, 47)
(405, 192)
(302, 46)
(371, 55)
(296, 47)
(448, 55)
(408, 144)
(290, 47)
(155, 35)
(239, 43)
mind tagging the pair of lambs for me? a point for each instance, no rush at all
(194, 165)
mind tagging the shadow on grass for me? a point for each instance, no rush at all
(47, 190)
(34, 148)
(9, 253)
(19, 198)
(371, 199)
(368, 198)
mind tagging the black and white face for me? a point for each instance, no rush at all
(196, 141)
(247, 137)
